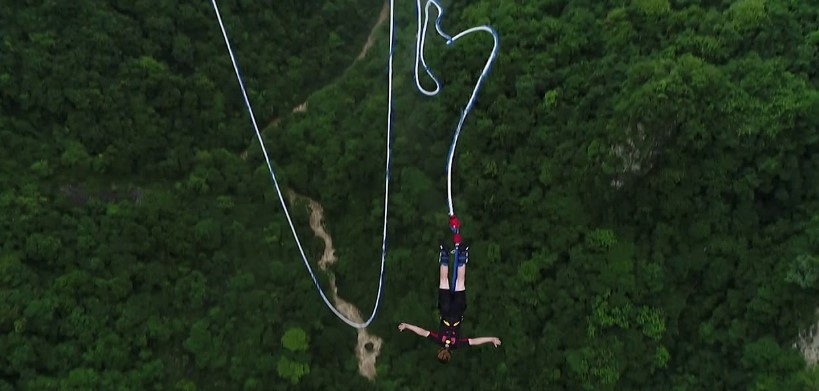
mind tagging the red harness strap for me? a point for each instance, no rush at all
(455, 226)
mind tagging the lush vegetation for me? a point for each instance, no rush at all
(637, 182)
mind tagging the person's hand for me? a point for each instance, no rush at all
(402, 326)
(496, 342)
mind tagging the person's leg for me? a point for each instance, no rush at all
(444, 296)
(443, 260)
(463, 259)
(460, 284)
(443, 281)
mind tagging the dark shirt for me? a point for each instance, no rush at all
(449, 333)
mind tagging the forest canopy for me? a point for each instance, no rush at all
(637, 182)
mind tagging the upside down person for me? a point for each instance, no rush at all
(451, 306)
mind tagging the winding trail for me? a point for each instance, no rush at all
(368, 346)
(366, 357)
(385, 11)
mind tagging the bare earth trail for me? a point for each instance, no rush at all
(807, 341)
(366, 357)
(385, 11)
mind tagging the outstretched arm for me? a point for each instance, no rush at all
(482, 340)
(415, 329)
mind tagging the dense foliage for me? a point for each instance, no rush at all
(637, 182)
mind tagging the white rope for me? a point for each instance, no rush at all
(341, 316)
(419, 60)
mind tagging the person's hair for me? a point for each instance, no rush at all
(444, 355)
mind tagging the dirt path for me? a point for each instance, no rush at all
(366, 357)
(385, 11)
(369, 346)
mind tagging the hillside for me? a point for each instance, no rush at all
(636, 181)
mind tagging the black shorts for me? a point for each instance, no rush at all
(451, 304)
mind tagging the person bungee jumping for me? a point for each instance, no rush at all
(451, 304)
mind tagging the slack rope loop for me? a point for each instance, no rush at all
(281, 197)
(419, 60)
